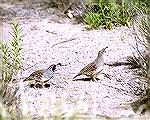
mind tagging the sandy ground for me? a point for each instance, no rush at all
(49, 37)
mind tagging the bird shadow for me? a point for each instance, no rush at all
(85, 79)
(40, 86)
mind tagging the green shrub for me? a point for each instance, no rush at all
(11, 54)
(11, 63)
(106, 15)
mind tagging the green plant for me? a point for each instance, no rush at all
(11, 54)
(107, 14)
(99, 16)
(11, 59)
(123, 16)
(93, 19)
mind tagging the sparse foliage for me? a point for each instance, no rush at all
(11, 54)
(142, 62)
(11, 58)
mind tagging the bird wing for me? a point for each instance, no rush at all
(37, 75)
(89, 68)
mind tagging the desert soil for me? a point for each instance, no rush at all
(49, 37)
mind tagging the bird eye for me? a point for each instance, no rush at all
(53, 68)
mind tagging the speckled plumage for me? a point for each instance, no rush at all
(91, 69)
(43, 74)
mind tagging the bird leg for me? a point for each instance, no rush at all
(94, 77)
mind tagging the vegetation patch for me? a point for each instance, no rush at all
(111, 13)
(11, 60)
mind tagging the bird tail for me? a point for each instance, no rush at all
(77, 75)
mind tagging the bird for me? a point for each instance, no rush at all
(91, 70)
(43, 74)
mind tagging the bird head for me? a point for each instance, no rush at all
(101, 51)
(52, 67)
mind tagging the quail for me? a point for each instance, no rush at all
(43, 74)
(91, 70)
